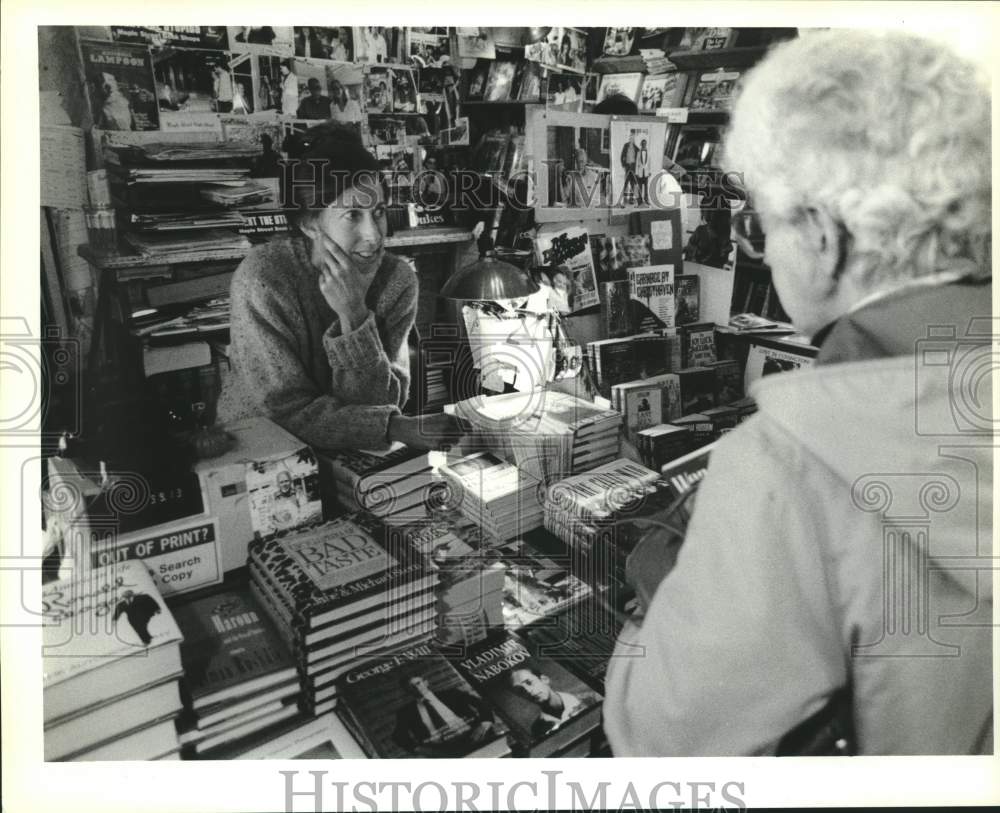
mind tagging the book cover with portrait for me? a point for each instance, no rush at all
(413, 703)
(545, 705)
(566, 253)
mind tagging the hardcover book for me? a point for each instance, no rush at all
(615, 309)
(643, 408)
(535, 585)
(230, 648)
(687, 297)
(662, 443)
(697, 389)
(662, 227)
(350, 562)
(413, 703)
(107, 628)
(581, 638)
(698, 344)
(651, 289)
(728, 381)
(546, 706)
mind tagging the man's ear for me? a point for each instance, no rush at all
(824, 233)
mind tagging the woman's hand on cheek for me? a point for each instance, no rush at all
(342, 284)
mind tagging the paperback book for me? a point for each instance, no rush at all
(651, 289)
(567, 252)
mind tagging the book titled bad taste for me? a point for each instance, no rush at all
(347, 565)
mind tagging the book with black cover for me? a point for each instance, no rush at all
(581, 638)
(616, 318)
(362, 469)
(697, 344)
(546, 706)
(413, 703)
(230, 648)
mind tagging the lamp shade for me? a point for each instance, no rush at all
(489, 279)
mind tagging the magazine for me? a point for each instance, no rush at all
(120, 82)
(571, 268)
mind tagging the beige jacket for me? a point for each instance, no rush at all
(841, 533)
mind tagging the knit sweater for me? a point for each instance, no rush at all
(293, 363)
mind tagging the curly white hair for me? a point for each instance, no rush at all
(890, 132)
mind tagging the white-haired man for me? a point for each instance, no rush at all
(841, 538)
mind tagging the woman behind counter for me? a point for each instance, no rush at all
(320, 319)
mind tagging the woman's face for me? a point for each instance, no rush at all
(356, 221)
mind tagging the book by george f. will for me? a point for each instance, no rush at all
(546, 706)
(413, 703)
(352, 562)
(230, 648)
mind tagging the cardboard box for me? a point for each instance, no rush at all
(261, 449)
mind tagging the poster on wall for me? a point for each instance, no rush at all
(324, 43)
(428, 47)
(563, 48)
(120, 84)
(475, 43)
(708, 230)
(636, 156)
(190, 36)
(193, 87)
(265, 39)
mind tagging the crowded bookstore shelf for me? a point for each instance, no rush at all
(297, 601)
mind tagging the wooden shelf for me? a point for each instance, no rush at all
(721, 58)
(619, 64)
(403, 239)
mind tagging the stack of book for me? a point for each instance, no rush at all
(535, 585)
(341, 591)
(549, 710)
(239, 674)
(558, 433)
(412, 703)
(629, 358)
(583, 638)
(397, 485)
(183, 198)
(470, 578)
(647, 402)
(662, 443)
(502, 499)
(585, 512)
(111, 664)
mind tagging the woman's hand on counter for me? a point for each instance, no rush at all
(427, 431)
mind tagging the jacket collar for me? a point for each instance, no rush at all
(890, 324)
